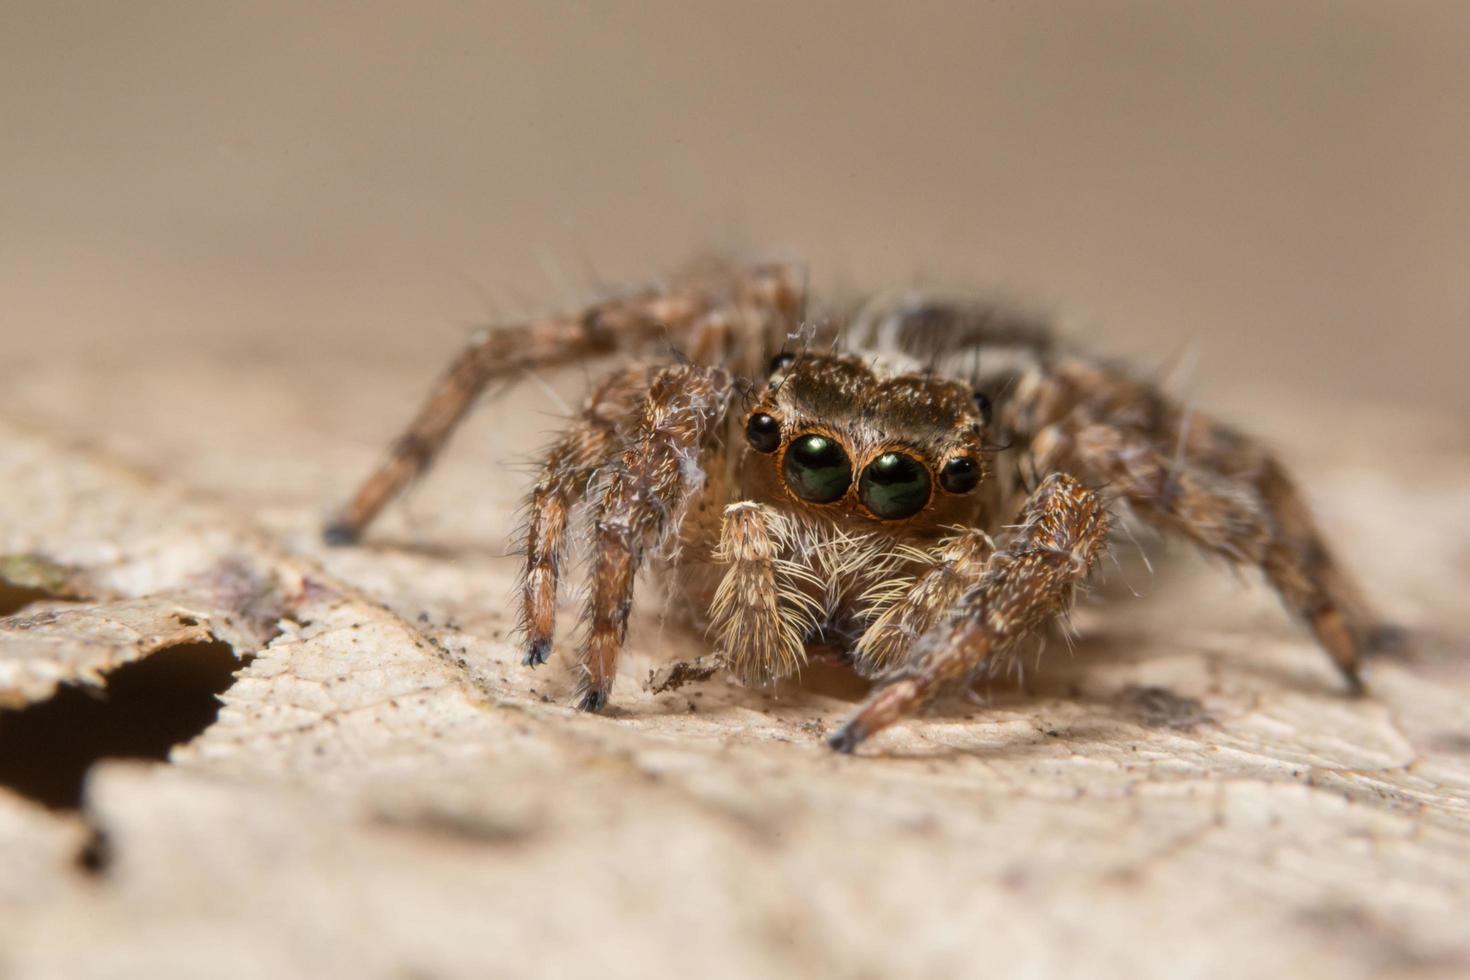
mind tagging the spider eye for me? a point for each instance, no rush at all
(960, 475)
(781, 362)
(982, 402)
(763, 432)
(894, 486)
(817, 469)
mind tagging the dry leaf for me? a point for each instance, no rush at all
(387, 792)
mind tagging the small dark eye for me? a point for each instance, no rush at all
(781, 362)
(894, 486)
(960, 475)
(817, 469)
(982, 402)
(763, 432)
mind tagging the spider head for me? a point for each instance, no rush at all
(835, 434)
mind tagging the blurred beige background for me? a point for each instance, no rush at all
(1282, 184)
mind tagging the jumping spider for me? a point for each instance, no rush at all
(920, 483)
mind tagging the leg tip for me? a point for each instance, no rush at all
(897, 696)
(845, 739)
(592, 701)
(340, 533)
(1354, 681)
(537, 653)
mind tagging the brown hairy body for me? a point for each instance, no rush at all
(919, 484)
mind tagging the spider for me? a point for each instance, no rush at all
(918, 484)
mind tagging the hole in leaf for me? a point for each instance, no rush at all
(14, 598)
(144, 709)
(28, 578)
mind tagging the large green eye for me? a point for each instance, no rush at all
(894, 486)
(817, 469)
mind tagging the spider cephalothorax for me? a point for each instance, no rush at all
(921, 485)
(832, 435)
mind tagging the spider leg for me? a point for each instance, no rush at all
(567, 469)
(959, 563)
(760, 615)
(644, 491)
(1026, 584)
(501, 352)
(1230, 497)
(725, 313)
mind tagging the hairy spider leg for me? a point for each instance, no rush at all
(1027, 583)
(641, 498)
(1192, 476)
(719, 314)
(567, 470)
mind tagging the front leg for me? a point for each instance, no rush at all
(567, 469)
(1026, 584)
(644, 492)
